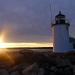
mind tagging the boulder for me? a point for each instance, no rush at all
(3, 72)
(15, 73)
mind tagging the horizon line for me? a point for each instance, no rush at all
(22, 45)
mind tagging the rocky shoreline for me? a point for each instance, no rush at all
(35, 63)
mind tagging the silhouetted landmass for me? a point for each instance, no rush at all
(32, 48)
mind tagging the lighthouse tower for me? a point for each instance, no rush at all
(60, 30)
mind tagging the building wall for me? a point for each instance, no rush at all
(61, 38)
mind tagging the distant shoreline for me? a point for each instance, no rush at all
(30, 48)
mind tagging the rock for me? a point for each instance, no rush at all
(3, 72)
(31, 70)
(52, 73)
(63, 63)
(53, 69)
(15, 73)
(41, 71)
(68, 71)
(73, 69)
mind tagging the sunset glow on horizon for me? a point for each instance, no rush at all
(22, 45)
(4, 44)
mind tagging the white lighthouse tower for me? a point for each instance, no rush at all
(60, 30)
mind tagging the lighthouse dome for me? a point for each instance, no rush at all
(60, 18)
(60, 15)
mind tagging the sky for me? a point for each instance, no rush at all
(30, 20)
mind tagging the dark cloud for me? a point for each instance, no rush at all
(29, 20)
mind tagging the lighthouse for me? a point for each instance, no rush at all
(60, 31)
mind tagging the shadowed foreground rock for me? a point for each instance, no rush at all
(44, 63)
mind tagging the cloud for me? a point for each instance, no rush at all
(30, 19)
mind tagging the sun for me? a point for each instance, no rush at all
(2, 36)
(2, 44)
